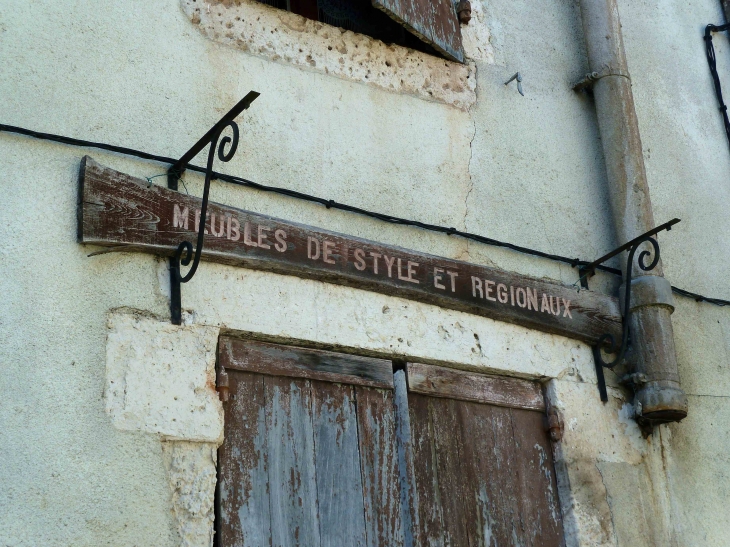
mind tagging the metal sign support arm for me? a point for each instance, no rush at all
(185, 253)
(607, 342)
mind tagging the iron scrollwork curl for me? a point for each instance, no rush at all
(184, 253)
(607, 342)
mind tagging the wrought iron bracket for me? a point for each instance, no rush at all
(185, 253)
(600, 378)
(607, 341)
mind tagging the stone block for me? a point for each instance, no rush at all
(160, 378)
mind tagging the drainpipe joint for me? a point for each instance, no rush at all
(648, 290)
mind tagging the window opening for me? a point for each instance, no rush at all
(357, 16)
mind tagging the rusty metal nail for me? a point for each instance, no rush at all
(517, 77)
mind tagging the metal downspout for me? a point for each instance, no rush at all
(658, 395)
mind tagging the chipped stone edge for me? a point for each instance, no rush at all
(191, 469)
(288, 38)
(189, 456)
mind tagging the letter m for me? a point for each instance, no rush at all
(180, 218)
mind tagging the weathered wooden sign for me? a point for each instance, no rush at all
(118, 210)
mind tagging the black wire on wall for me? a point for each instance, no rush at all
(712, 62)
(332, 204)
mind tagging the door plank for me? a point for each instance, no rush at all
(448, 442)
(337, 462)
(292, 475)
(243, 490)
(407, 487)
(469, 386)
(536, 486)
(484, 475)
(484, 471)
(507, 457)
(379, 464)
(430, 512)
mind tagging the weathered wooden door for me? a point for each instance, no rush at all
(325, 449)
(310, 455)
(482, 461)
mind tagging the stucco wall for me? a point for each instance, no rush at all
(525, 169)
(687, 163)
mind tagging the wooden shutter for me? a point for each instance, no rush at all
(309, 457)
(330, 450)
(433, 21)
(482, 460)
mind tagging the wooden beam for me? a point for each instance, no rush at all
(314, 364)
(480, 388)
(119, 210)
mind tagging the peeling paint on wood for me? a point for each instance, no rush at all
(294, 362)
(306, 462)
(337, 461)
(493, 506)
(292, 474)
(535, 484)
(379, 460)
(430, 510)
(243, 490)
(408, 495)
(433, 21)
(457, 384)
(325, 464)
(481, 479)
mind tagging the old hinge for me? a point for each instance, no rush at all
(554, 424)
(221, 384)
(463, 9)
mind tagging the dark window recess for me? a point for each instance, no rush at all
(421, 27)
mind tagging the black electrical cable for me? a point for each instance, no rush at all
(700, 298)
(328, 203)
(712, 62)
(331, 204)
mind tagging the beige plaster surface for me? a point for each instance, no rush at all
(610, 489)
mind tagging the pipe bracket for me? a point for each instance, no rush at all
(592, 77)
